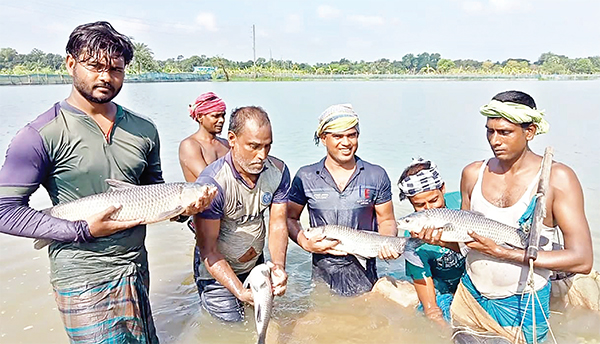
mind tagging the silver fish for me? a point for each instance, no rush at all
(150, 203)
(366, 244)
(259, 281)
(455, 225)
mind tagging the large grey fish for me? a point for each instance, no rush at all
(150, 203)
(455, 225)
(366, 244)
(259, 281)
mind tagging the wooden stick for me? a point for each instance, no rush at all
(539, 212)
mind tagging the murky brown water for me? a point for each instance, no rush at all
(392, 131)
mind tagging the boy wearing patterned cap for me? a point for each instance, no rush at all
(344, 190)
(435, 282)
(204, 146)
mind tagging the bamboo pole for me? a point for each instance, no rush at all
(540, 208)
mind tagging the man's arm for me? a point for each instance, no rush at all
(26, 166)
(191, 159)
(386, 225)
(565, 208)
(207, 233)
(386, 222)
(278, 240)
(315, 244)
(426, 293)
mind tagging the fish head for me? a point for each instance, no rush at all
(414, 222)
(312, 232)
(192, 192)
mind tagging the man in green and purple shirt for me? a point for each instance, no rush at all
(99, 267)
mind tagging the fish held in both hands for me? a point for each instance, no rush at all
(149, 203)
(259, 282)
(456, 224)
(365, 244)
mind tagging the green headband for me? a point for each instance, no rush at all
(516, 113)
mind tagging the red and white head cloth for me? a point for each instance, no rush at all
(205, 104)
(427, 179)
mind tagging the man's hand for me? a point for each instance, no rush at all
(433, 236)
(430, 235)
(100, 225)
(202, 203)
(386, 252)
(278, 278)
(485, 245)
(318, 244)
(246, 296)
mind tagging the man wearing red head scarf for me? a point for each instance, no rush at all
(204, 146)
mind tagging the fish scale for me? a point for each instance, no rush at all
(145, 202)
(149, 203)
(366, 244)
(456, 224)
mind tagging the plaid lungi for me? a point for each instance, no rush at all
(112, 312)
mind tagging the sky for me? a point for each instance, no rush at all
(318, 31)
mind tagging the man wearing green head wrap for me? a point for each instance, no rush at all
(495, 295)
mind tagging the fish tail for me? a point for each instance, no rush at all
(410, 253)
(262, 338)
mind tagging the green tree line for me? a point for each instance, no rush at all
(38, 62)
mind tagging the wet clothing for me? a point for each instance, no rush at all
(240, 210)
(66, 151)
(503, 316)
(216, 298)
(123, 305)
(500, 287)
(354, 207)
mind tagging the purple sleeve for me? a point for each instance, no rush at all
(216, 208)
(281, 195)
(25, 167)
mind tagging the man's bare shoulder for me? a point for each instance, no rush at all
(472, 169)
(562, 176)
(190, 144)
(277, 162)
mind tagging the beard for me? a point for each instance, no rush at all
(87, 91)
(250, 167)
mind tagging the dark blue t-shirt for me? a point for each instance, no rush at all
(354, 207)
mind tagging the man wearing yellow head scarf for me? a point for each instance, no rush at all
(496, 293)
(344, 190)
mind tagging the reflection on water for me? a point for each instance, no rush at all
(399, 120)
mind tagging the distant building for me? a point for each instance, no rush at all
(204, 70)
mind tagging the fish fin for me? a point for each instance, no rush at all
(362, 260)
(448, 226)
(118, 184)
(257, 312)
(170, 214)
(262, 338)
(39, 244)
(410, 253)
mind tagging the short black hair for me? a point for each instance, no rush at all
(515, 97)
(99, 40)
(241, 115)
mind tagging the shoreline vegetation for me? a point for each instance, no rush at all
(39, 68)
